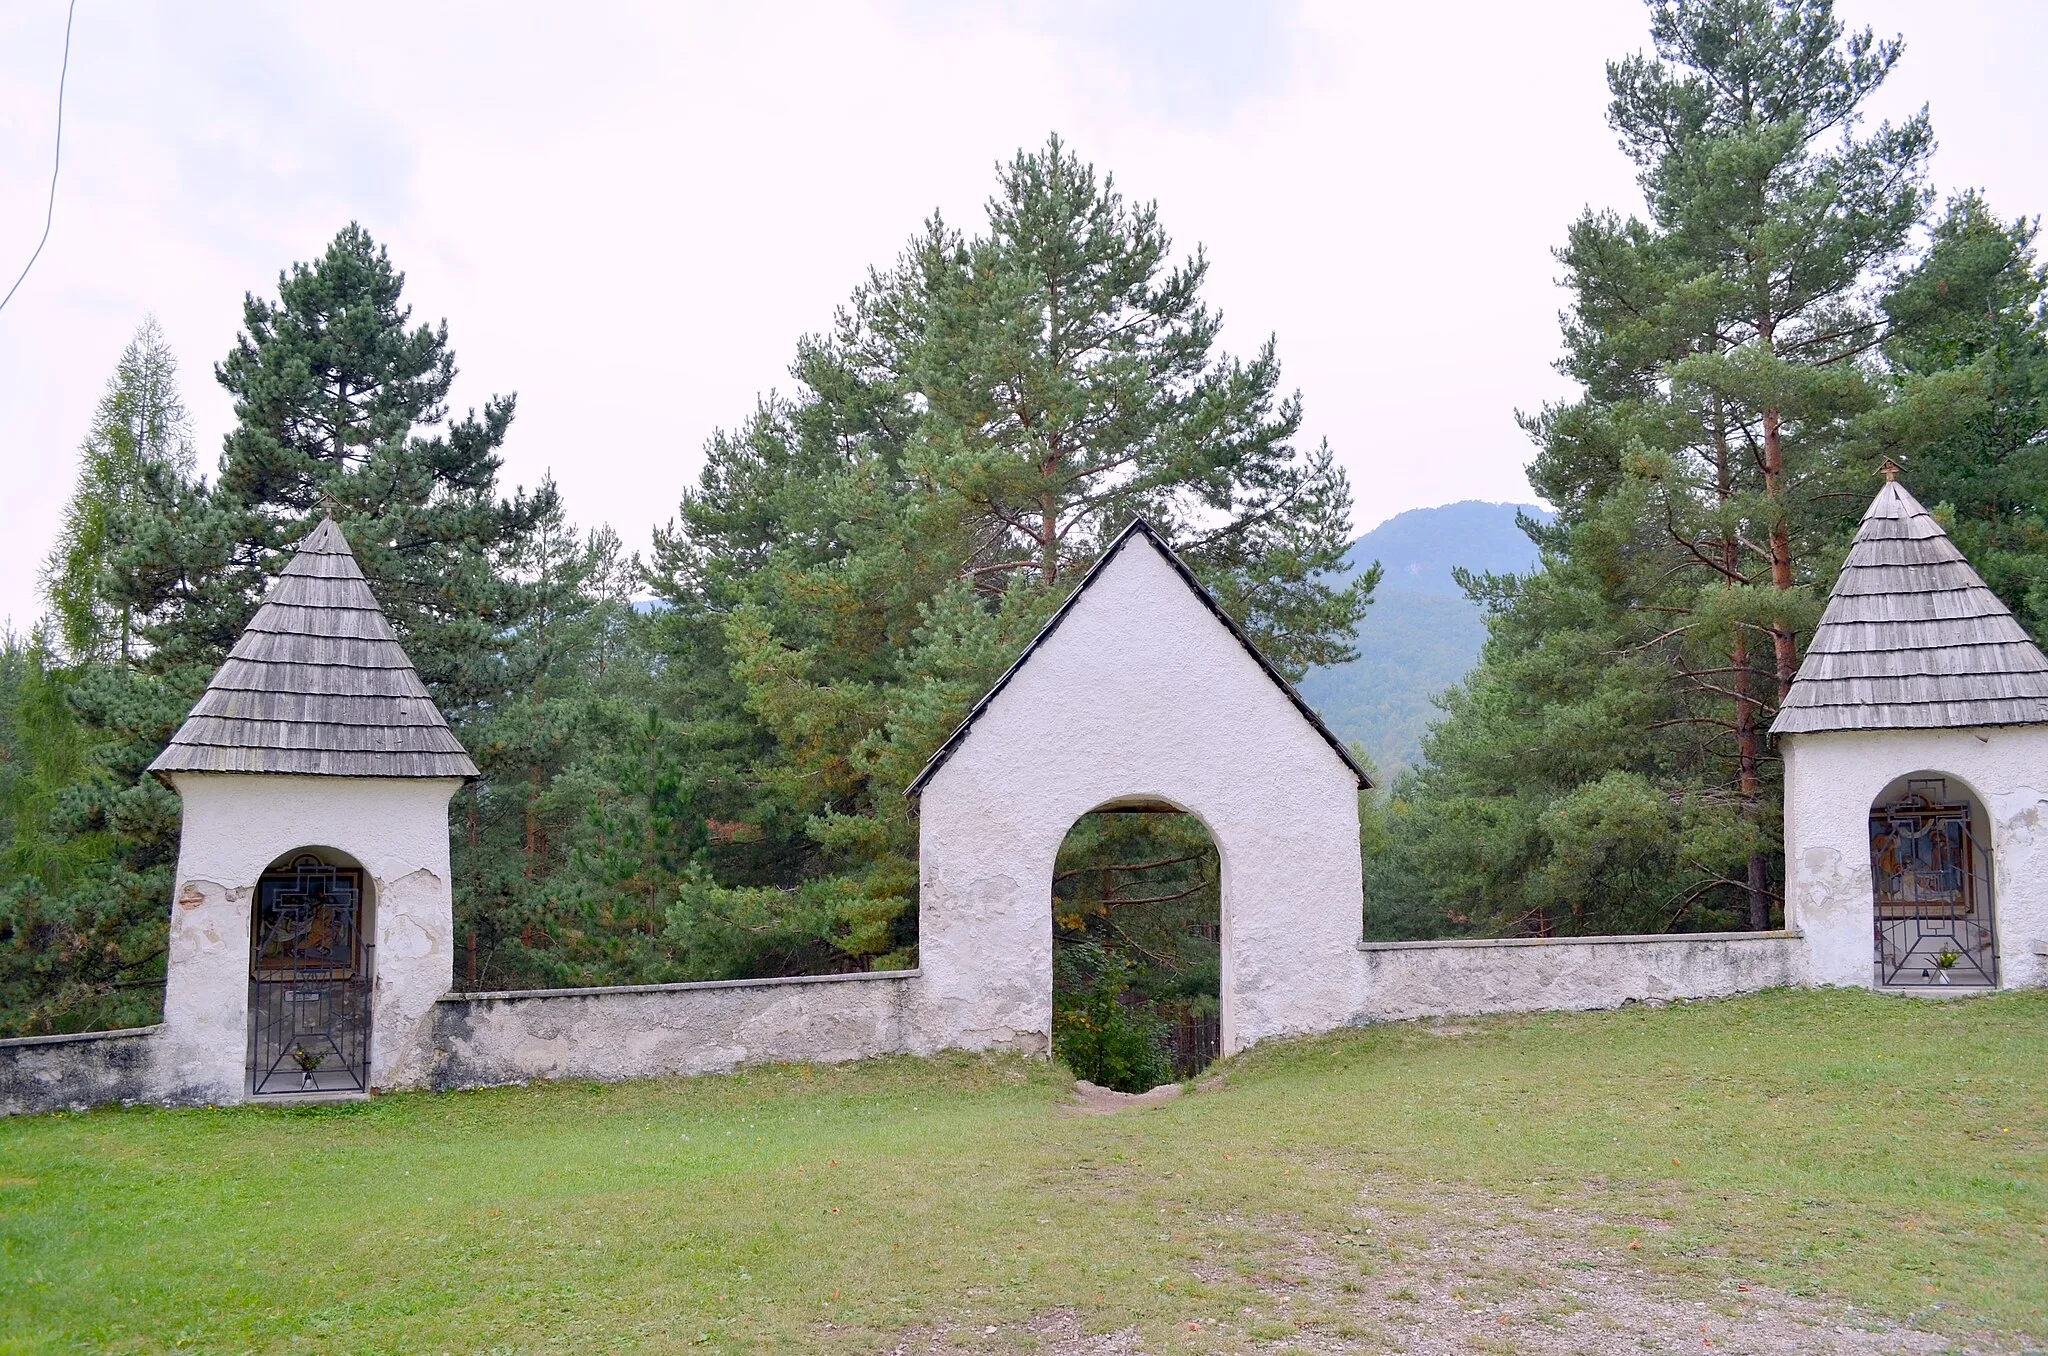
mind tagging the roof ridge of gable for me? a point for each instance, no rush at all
(1139, 528)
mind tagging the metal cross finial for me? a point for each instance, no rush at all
(1890, 469)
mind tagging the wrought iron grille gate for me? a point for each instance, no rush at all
(1933, 886)
(309, 988)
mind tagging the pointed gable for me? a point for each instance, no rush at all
(1912, 639)
(317, 684)
(1138, 532)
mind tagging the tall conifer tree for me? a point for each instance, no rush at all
(1741, 351)
(137, 453)
(340, 403)
(861, 560)
(340, 400)
(1720, 342)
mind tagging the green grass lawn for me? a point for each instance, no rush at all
(1881, 1152)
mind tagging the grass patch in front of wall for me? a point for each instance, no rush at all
(1887, 1153)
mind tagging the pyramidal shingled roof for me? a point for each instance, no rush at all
(317, 684)
(1912, 639)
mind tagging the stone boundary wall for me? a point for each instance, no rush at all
(487, 1039)
(642, 1030)
(71, 1073)
(1400, 981)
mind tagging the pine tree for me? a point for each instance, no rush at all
(139, 448)
(340, 401)
(1968, 352)
(1747, 355)
(862, 559)
(61, 960)
(571, 662)
(1725, 350)
(90, 839)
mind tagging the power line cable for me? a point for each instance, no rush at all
(56, 160)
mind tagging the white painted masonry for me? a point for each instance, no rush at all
(481, 1039)
(1139, 693)
(1831, 781)
(1401, 981)
(235, 826)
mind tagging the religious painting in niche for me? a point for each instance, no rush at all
(309, 993)
(1932, 882)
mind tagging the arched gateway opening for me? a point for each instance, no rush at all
(309, 976)
(1140, 695)
(1930, 866)
(1137, 929)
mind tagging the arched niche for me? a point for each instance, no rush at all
(312, 954)
(1933, 885)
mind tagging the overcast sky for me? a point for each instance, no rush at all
(628, 213)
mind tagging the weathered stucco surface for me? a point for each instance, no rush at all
(61, 1073)
(235, 826)
(480, 1040)
(1831, 781)
(1141, 693)
(1399, 981)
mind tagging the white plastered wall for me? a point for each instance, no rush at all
(236, 825)
(1831, 781)
(1140, 693)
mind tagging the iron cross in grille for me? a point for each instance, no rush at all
(308, 982)
(1934, 886)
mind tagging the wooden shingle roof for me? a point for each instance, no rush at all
(1912, 639)
(317, 684)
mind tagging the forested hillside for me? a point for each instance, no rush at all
(1422, 634)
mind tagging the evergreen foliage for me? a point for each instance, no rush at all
(1102, 1038)
(89, 841)
(1968, 361)
(67, 960)
(862, 559)
(339, 407)
(1746, 357)
(139, 446)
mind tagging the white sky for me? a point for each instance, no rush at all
(628, 213)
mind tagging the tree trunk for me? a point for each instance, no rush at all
(1747, 749)
(1748, 744)
(532, 846)
(1783, 647)
(1049, 539)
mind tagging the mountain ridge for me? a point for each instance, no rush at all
(1422, 634)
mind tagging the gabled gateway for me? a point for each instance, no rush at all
(1141, 693)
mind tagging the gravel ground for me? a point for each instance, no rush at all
(1468, 1274)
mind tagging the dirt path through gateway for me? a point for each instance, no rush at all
(1472, 1274)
